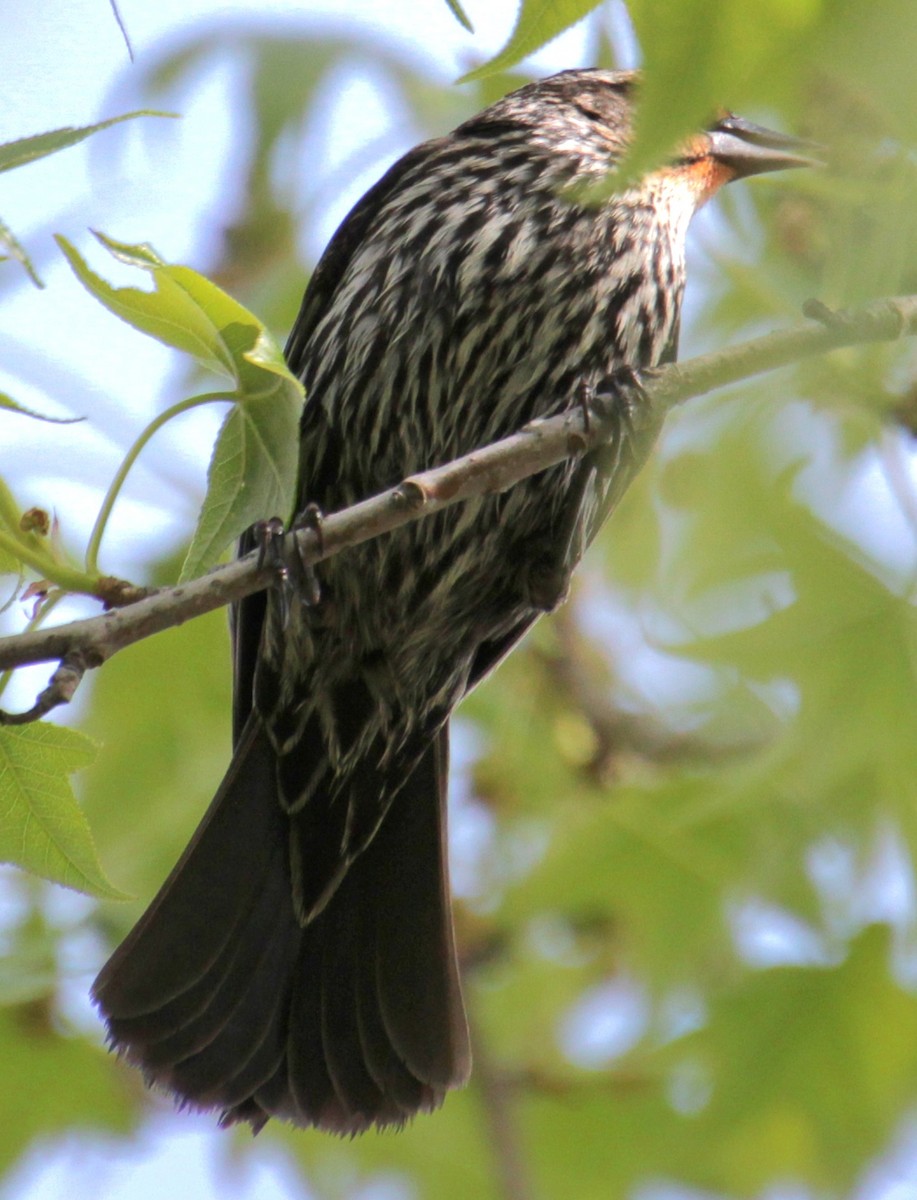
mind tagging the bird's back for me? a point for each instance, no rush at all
(468, 293)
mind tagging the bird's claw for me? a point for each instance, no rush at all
(618, 398)
(296, 578)
(310, 518)
(269, 536)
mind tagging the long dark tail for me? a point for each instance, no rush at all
(353, 1020)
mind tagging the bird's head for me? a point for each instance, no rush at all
(588, 114)
(734, 148)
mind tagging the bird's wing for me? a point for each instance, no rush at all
(599, 483)
(351, 234)
(247, 617)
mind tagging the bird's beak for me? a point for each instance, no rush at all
(748, 149)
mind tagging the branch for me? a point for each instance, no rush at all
(82, 645)
(499, 1095)
(577, 673)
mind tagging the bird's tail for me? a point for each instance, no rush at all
(353, 1019)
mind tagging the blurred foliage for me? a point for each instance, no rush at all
(537, 22)
(728, 701)
(28, 149)
(37, 1057)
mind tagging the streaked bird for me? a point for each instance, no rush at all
(299, 962)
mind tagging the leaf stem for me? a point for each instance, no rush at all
(98, 529)
(68, 578)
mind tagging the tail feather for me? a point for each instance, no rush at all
(207, 896)
(227, 999)
(403, 1089)
(345, 1059)
(249, 1029)
(412, 998)
(186, 1024)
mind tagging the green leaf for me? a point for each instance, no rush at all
(27, 547)
(539, 21)
(29, 149)
(460, 15)
(16, 546)
(9, 565)
(253, 470)
(170, 314)
(42, 828)
(10, 511)
(246, 479)
(15, 249)
(810, 1070)
(166, 748)
(12, 405)
(699, 55)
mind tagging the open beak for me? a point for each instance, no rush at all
(749, 149)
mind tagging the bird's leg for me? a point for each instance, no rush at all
(306, 577)
(584, 398)
(269, 537)
(619, 406)
(296, 578)
(618, 402)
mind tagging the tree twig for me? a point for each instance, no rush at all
(575, 672)
(499, 1095)
(494, 468)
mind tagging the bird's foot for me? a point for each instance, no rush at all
(279, 548)
(310, 518)
(619, 396)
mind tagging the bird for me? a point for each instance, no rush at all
(300, 962)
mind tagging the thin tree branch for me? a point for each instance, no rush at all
(499, 1097)
(577, 673)
(494, 468)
